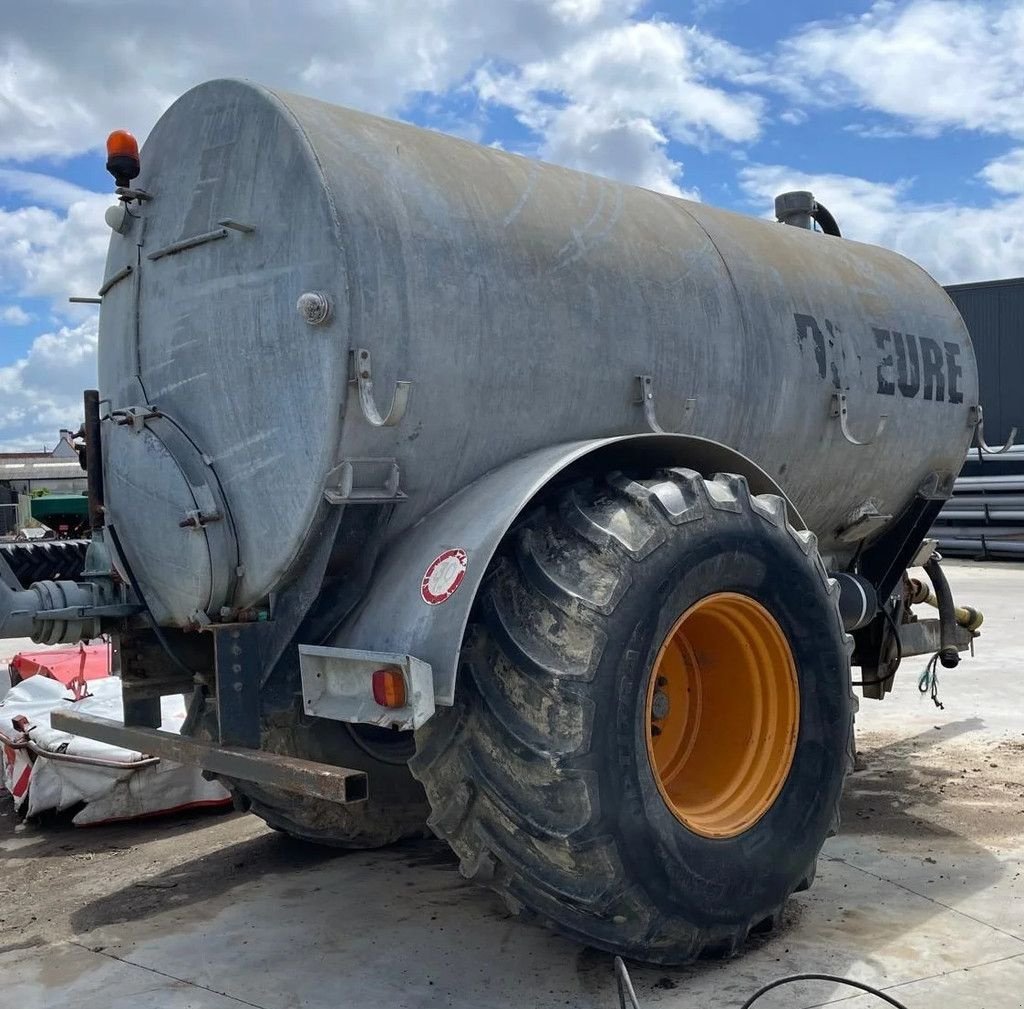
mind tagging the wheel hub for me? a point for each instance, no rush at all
(722, 713)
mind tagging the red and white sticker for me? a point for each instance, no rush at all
(442, 579)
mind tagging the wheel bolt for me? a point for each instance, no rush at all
(659, 705)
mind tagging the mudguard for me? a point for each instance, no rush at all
(419, 599)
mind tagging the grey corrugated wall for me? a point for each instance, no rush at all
(994, 313)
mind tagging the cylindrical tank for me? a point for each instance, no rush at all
(521, 300)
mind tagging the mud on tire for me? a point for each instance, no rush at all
(396, 808)
(539, 778)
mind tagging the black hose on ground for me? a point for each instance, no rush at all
(949, 655)
(628, 999)
(823, 977)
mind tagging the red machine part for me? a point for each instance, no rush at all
(80, 664)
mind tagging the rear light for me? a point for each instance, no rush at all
(389, 688)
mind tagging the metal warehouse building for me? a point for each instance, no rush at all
(994, 313)
(22, 474)
(985, 518)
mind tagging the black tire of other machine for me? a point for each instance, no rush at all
(45, 560)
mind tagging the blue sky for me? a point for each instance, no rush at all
(906, 117)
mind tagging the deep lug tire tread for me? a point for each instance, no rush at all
(318, 821)
(509, 771)
(45, 560)
(395, 810)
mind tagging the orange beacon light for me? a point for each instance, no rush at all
(123, 157)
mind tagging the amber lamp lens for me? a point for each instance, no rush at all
(389, 688)
(121, 144)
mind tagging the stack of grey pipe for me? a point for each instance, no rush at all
(985, 516)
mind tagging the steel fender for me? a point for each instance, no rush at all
(395, 614)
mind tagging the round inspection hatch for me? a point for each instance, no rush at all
(171, 519)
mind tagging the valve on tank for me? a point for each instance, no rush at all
(800, 209)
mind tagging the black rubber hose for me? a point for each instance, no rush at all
(899, 655)
(825, 220)
(823, 977)
(949, 655)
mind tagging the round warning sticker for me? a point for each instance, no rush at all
(443, 577)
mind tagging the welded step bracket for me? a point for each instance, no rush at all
(364, 481)
(646, 400)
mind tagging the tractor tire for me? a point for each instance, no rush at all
(550, 776)
(45, 560)
(395, 810)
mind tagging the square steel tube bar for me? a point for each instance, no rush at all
(307, 777)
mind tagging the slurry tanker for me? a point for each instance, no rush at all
(468, 494)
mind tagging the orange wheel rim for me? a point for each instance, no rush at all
(722, 715)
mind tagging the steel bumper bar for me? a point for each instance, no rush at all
(325, 781)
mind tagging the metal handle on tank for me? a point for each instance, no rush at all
(840, 410)
(976, 419)
(364, 381)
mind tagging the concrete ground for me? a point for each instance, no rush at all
(921, 893)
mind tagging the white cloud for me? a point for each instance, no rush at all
(600, 87)
(14, 315)
(48, 190)
(1006, 174)
(69, 72)
(955, 243)
(42, 391)
(611, 102)
(704, 8)
(642, 82)
(599, 141)
(932, 63)
(877, 131)
(629, 86)
(48, 254)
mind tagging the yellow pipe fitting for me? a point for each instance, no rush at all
(966, 616)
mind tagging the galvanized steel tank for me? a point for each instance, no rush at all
(521, 300)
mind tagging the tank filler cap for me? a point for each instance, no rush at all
(795, 209)
(314, 307)
(800, 209)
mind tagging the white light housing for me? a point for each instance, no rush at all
(117, 218)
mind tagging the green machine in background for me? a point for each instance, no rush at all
(66, 514)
